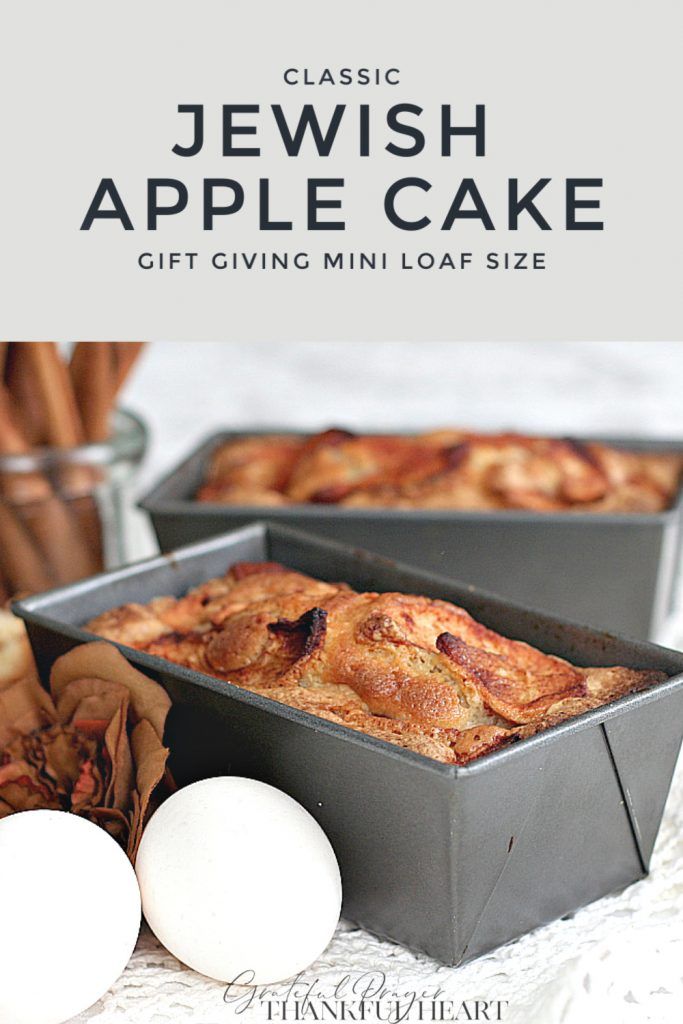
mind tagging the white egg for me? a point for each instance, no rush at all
(69, 915)
(238, 880)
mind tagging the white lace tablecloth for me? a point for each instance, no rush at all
(618, 960)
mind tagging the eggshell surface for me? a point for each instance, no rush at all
(70, 915)
(239, 881)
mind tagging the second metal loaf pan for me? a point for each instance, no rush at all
(616, 572)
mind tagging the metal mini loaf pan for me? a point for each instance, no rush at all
(617, 572)
(452, 861)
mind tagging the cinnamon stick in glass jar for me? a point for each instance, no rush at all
(64, 429)
(52, 485)
(39, 541)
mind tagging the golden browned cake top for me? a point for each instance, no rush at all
(417, 672)
(447, 469)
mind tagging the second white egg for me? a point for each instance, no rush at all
(239, 881)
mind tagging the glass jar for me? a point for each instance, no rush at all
(62, 510)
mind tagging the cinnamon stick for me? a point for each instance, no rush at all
(93, 371)
(125, 355)
(27, 408)
(21, 562)
(18, 487)
(98, 371)
(53, 385)
(65, 430)
(50, 524)
(12, 441)
(33, 509)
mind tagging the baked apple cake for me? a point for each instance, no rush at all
(413, 671)
(444, 469)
